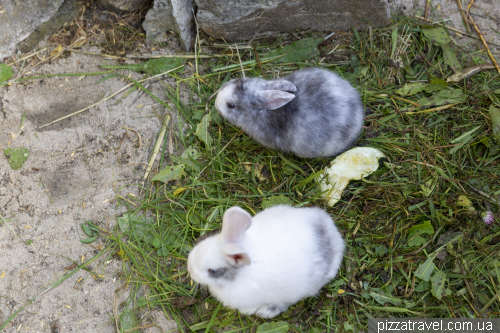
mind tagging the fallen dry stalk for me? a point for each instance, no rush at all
(484, 42)
(159, 141)
(109, 97)
(459, 4)
(435, 109)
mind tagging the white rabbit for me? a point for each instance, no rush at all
(264, 264)
(311, 112)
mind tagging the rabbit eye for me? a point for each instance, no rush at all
(217, 273)
(230, 105)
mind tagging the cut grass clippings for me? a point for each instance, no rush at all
(411, 247)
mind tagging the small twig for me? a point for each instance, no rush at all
(427, 5)
(485, 44)
(484, 194)
(470, 5)
(460, 9)
(186, 56)
(239, 58)
(197, 47)
(258, 62)
(418, 251)
(435, 109)
(109, 97)
(137, 133)
(140, 93)
(159, 141)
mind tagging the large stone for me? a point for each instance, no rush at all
(176, 15)
(66, 13)
(235, 20)
(18, 19)
(122, 5)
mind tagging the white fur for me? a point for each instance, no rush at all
(286, 265)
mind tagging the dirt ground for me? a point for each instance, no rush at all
(75, 170)
(486, 14)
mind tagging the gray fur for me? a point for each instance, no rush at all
(226, 273)
(324, 118)
(325, 247)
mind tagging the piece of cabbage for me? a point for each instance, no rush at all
(350, 165)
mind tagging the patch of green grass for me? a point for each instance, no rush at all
(413, 250)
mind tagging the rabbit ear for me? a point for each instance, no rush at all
(282, 85)
(236, 256)
(234, 224)
(273, 99)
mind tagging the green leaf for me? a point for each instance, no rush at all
(157, 242)
(191, 152)
(202, 130)
(416, 241)
(386, 298)
(107, 77)
(450, 58)
(5, 72)
(428, 187)
(188, 158)
(301, 50)
(163, 252)
(438, 36)
(463, 139)
(381, 250)
(273, 327)
(124, 222)
(29, 242)
(142, 302)
(161, 65)
(424, 228)
(416, 87)
(171, 172)
(128, 320)
(16, 156)
(437, 284)
(423, 286)
(87, 229)
(152, 66)
(92, 226)
(170, 240)
(394, 38)
(495, 121)
(425, 270)
(88, 240)
(445, 96)
(437, 81)
(275, 200)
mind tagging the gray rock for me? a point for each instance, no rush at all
(235, 20)
(18, 19)
(66, 13)
(176, 15)
(122, 5)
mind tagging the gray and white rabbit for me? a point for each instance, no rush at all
(264, 264)
(311, 112)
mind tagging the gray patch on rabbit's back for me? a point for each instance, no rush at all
(324, 245)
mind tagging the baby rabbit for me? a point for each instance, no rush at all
(311, 113)
(264, 264)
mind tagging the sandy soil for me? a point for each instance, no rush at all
(74, 171)
(486, 14)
